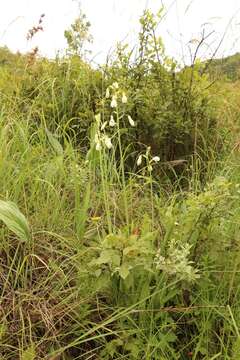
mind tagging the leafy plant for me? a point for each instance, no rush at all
(15, 220)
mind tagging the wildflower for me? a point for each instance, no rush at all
(107, 142)
(107, 93)
(114, 102)
(115, 85)
(156, 159)
(150, 168)
(124, 98)
(103, 125)
(112, 122)
(98, 146)
(131, 121)
(139, 160)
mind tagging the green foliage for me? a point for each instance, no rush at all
(120, 262)
(15, 220)
(227, 68)
(122, 255)
(173, 107)
(78, 35)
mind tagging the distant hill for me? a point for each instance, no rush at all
(228, 67)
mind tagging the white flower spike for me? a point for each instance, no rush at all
(112, 122)
(131, 121)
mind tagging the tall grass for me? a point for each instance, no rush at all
(101, 263)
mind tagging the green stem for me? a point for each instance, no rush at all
(105, 192)
(122, 169)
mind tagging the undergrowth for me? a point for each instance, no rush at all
(119, 222)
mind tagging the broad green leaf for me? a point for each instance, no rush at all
(131, 251)
(124, 271)
(57, 147)
(14, 220)
(82, 210)
(109, 257)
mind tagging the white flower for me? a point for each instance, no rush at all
(115, 85)
(107, 142)
(98, 146)
(150, 168)
(139, 160)
(124, 98)
(112, 122)
(107, 93)
(156, 159)
(131, 122)
(114, 102)
(103, 125)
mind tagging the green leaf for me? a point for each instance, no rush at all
(57, 147)
(14, 220)
(124, 271)
(113, 241)
(109, 257)
(131, 251)
(82, 210)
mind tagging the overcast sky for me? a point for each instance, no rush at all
(117, 20)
